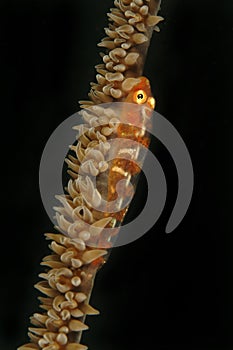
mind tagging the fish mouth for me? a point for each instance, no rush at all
(151, 102)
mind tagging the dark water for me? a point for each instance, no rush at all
(161, 292)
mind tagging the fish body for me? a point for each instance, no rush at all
(132, 132)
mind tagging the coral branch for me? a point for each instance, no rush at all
(71, 268)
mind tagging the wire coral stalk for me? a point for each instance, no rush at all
(74, 260)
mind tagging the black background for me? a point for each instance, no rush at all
(162, 291)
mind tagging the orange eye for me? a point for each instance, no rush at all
(140, 97)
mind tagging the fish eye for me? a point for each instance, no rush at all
(140, 97)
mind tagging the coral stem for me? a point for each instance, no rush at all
(74, 261)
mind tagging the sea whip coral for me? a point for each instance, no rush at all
(80, 248)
